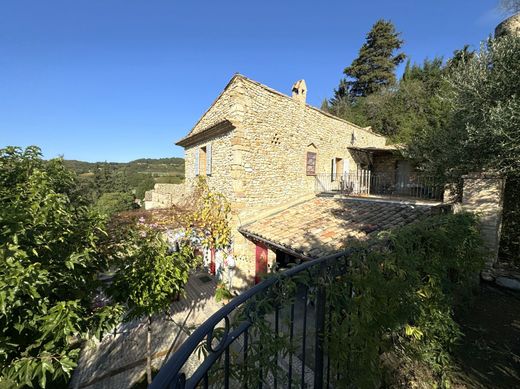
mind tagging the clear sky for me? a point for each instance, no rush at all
(117, 80)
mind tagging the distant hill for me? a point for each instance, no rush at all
(152, 166)
(136, 176)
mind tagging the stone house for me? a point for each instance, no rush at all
(268, 152)
(274, 156)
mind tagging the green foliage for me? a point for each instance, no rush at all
(414, 105)
(222, 293)
(149, 276)
(404, 287)
(141, 183)
(391, 296)
(460, 57)
(483, 133)
(48, 269)
(374, 68)
(177, 179)
(133, 177)
(210, 216)
(113, 202)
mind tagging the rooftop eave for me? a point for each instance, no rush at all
(396, 148)
(273, 244)
(210, 132)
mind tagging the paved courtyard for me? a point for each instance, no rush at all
(119, 360)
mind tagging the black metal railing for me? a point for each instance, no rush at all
(367, 183)
(272, 335)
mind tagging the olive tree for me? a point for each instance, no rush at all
(485, 107)
(483, 132)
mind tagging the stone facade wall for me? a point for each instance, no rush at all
(262, 163)
(276, 133)
(227, 106)
(221, 162)
(148, 195)
(483, 194)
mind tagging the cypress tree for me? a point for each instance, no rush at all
(374, 68)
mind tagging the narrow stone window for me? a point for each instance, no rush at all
(311, 163)
(202, 160)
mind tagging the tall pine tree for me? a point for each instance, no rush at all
(374, 68)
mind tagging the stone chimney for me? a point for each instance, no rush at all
(299, 91)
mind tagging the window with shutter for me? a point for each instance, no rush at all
(202, 160)
(333, 169)
(208, 159)
(311, 163)
(196, 162)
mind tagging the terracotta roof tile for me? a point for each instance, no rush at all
(325, 225)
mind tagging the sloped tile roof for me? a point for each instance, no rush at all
(325, 225)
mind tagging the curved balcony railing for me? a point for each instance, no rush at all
(272, 335)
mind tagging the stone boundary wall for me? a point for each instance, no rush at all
(483, 195)
(163, 195)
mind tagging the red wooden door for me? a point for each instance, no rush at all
(261, 262)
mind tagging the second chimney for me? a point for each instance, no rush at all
(299, 91)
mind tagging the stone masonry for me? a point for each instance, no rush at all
(163, 195)
(259, 141)
(256, 140)
(483, 195)
(509, 26)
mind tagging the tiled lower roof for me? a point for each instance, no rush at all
(325, 225)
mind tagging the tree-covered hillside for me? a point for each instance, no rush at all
(135, 177)
(154, 166)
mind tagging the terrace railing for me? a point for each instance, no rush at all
(366, 183)
(272, 336)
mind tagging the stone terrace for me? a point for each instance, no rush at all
(325, 225)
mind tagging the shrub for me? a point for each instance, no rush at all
(389, 300)
(114, 202)
(222, 293)
(398, 297)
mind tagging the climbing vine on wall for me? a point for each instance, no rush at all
(210, 216)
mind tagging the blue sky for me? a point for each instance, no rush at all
(118, 80)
